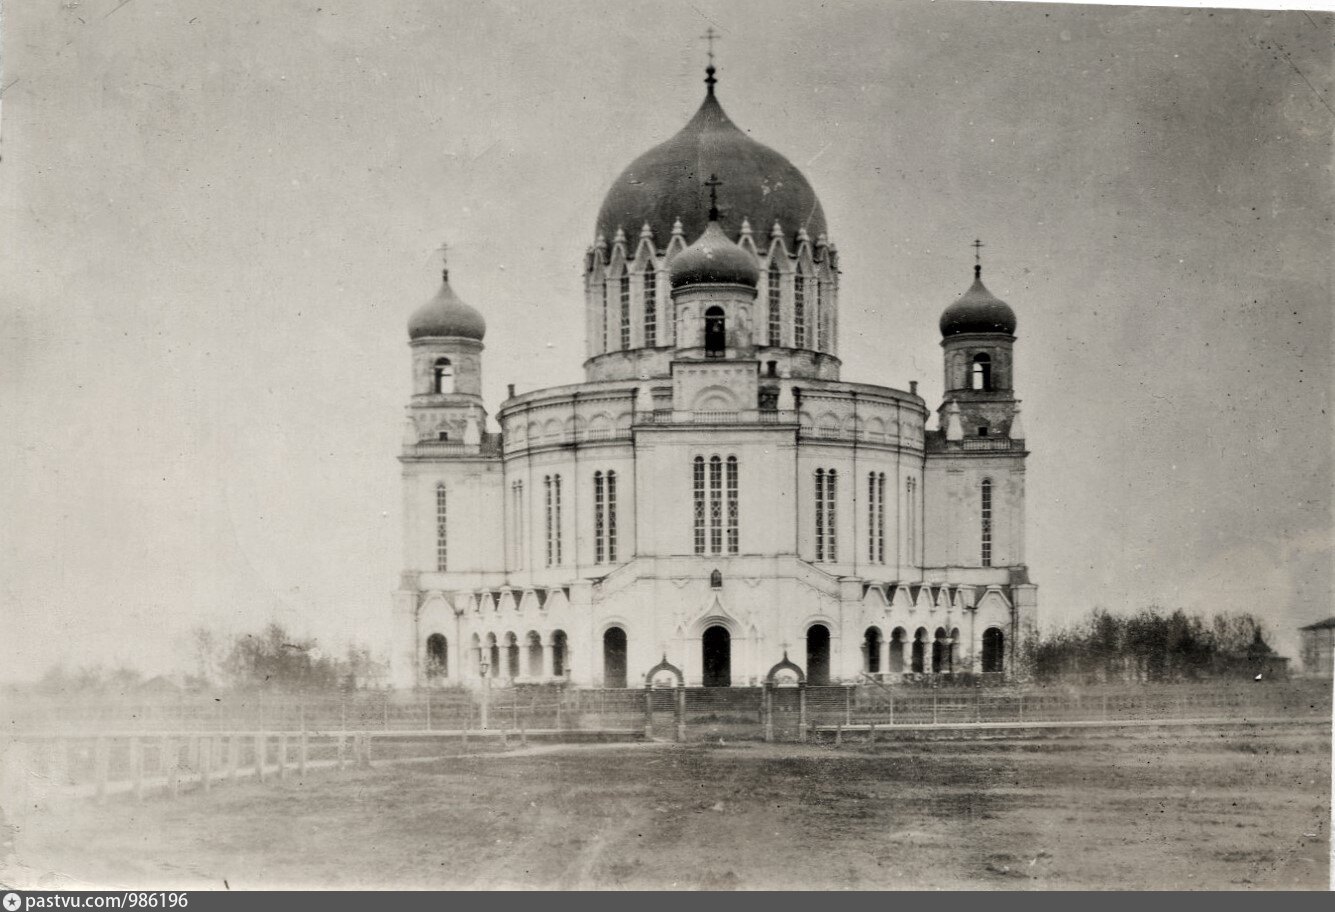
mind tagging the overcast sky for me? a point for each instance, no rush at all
(217, 218)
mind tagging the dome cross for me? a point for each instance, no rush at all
(710, 70)
(977, 246)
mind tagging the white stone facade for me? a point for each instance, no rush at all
(707, 477)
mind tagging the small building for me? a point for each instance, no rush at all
(1318, 647)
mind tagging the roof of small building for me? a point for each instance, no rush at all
(1327, 624)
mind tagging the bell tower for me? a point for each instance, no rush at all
(445, 336)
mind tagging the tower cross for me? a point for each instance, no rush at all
(444, 251)
(713, 184)
(977, 246)
(709, 36)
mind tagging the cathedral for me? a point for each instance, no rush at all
(714, 505)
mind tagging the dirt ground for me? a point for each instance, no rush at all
(1125, 811)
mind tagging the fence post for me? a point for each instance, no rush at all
(340, 750)
(649, 710)
(366, 750)
(523, 737)
(848, 704)
(977, 704)
(302, 752)
(1105, 707)
(100, 764)
(934, 717)
(802, 711)
(137, 767)
(206, 763)
(681, 711)
(558, 710)
(871, 733)
(514, 709)
(839, 735)
(385, 710)
(1021, 707)
(428, 710)
(282, 756)
(233, 756)
(260, 748)
(767, 698)
(892, 708)
(467, 725)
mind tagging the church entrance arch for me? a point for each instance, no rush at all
(614, 657)
(716, 653)
(818, 654)
(994, 642)
(871, 650)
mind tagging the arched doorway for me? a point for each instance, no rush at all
(939, 651)
(614, 657)
(871, 648)
(897, 650)
(716, 335)
(493, 656)
(818, 654)
(437, 660)
(511, 655)
(558, 653)
(994, 651)
(534, 654)
(919, 651)
(716, 649)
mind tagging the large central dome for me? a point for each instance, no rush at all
(667, 183)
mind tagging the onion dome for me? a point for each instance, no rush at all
(714, 259)
(446, 315)
(978, 311)
(664, 184)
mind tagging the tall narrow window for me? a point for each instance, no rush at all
(650, 307)
(826, 518)
(981, 378)
(733, 542)
(552, 491)
(604, 517)
(911, 536)
(606, 316)
(715, 505)
(599, 517)
(625, 310)
(820, 514)
(876, 517)
(775, 321)
(799, 311)
(442, 376)
(822, 330)
(698, 492)
(986, 517)
(517, 522)
(442, 543)
(612, 516)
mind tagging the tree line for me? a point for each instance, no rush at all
(1152, 645)
(272, 659)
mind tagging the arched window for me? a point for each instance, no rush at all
(604, 517)
(775, 318)
(799, 311)
(876, 517)
(917, 663)
(871, 649)
(911, 532)
(820, 318)
(715, 495)
(698, 493)
(614, 657)
(559, 658)
(517, 523)
(716, 333)
(650, 306)
(437, 656)
(607, 318)
(994, 651)
(985, 515)
(826, 515)
(716, 579)
(939, 651)
(511, 656)
(442, 376)
(897, 650)
(625, 309)
(552, 491)
(442, 539)
(981, 374)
